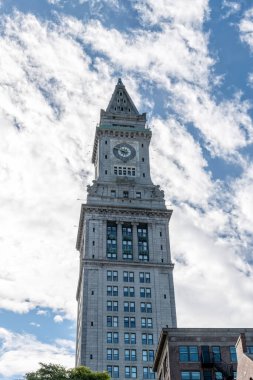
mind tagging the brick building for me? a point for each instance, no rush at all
(203, 354)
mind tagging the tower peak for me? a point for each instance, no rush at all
(121, 102)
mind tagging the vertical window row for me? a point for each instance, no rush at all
(111, 240)
(127, 242)
(142, 232)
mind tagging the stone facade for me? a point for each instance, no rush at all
(201, 354)
(245, 359)
(125, 290)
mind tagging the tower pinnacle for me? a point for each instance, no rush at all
(121, 102)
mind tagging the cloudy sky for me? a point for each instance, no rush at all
(189, 65)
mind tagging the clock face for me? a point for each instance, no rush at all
(124, 151)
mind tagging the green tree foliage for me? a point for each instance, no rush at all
(58, 372)
(84, 373)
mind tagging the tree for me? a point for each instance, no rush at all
(84, 373)
(48, 372)
(58, 372)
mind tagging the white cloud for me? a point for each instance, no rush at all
(178, 165)
(42, 312)
(176, 59)
(243, 201)
(156, 11)
(34, 324)
(58, 319)
(231, 7)
(246, 28)
(211, 279)
(22, 353)
(49, 108)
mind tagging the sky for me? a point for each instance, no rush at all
(189, 65)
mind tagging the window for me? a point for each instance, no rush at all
(128, 276)
(207, 374)
(146, 322)
(145, 292)
(144, 277)
(250, 349)
(130, 355)
(113, 193)
(235, 375)
(145, 355)
(113, 371)
(124, 171)
(130, 372)
(190, 375)
(127, 242)
(216, 354)
(105, 171)
(112, 321)
(112, 291)
(112, 305)
(112, 337)
(129, 322)
(112, 354)
(125, 194)
(128, 291)
(147, 339)
(233, 356)
(188, 354)
(127, 248)
(142, 232)
(148, 355)
(148, 373)
(218, 376)
(111, 240)
(112, 275)
(130, 338)
(146, 307)
(138, 194)
(129, 307)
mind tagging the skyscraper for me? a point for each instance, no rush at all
(125, 290)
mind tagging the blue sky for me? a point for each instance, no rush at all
(191, 69)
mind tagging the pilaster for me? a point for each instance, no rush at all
(119, 240)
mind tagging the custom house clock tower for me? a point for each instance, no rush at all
(125, 290)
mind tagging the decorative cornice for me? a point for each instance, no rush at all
(115, 263)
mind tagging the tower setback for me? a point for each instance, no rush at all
(125, 290)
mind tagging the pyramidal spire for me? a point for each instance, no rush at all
(121, 102)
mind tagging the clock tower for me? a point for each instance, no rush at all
(125, 290)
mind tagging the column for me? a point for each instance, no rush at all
(119, 240)
(135, 242)
(102, 248)
(150, 242)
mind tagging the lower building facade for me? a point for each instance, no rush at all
(200, 353)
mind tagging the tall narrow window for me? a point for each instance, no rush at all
(233, 356)
(216, 354)
(142, 232)
(127, 242)
(111, 240)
